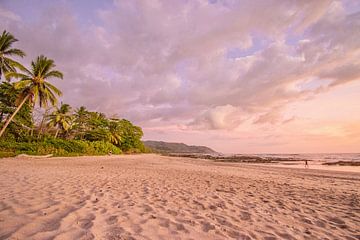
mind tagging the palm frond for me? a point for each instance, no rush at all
(18, 66)
(56, 74)
(6, 40)
(25, 83)
(14, 51)
(34, 80)
(50, 96)
(35, 93)
(16, 75)
(53, 88)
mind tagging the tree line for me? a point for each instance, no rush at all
(22, 89)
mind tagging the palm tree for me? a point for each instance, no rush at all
(115, 132)
(6, 63)
(81, 118)
(61, 118)
(81, 113)
(33, 85)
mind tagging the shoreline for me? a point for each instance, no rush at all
(275, 162)
(293, 164)
(321, 167)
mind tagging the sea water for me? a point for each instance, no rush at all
(320, 157)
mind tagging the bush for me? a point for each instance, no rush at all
(101, 147)
(58, 147)
(7, 154)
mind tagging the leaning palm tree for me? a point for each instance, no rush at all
(61, 118)
(6, 51)
(34, 87)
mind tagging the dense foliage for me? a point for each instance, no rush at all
(7, 64)
(61, 130)
(22, 123)
(58, 147)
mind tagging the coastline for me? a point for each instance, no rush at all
(314, 166)
(276, 161)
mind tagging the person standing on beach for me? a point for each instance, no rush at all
(306, 164)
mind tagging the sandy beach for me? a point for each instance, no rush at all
(157, 197)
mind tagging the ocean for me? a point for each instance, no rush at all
(320, 157)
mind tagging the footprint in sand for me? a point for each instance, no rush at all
(86, 222)
(118, 233)
(172, 212)
(164, 222)
(147, 208)
(337, 222)
(136, 228)
(206, 227)
(111, 220)
(245, 216)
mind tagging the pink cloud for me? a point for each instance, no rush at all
(162, 63)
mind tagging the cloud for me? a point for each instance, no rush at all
(273, 116)
(166, 63)
(220, 117)
(7, 15)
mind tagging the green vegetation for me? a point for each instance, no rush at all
(6, 51)
(33, 86)
(61, 131)
(167, 147)
(58, 147)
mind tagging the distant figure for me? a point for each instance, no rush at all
(110, 152)
(306, 164)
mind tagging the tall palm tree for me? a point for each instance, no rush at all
(6, 51)
(81, 118)
(61, 118)
(33, 85)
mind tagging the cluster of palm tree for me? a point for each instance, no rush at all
(24, 88)
(93, 126)
(61, 119)
(33, 86)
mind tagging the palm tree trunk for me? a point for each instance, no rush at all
(57, 132)
(42, 122)
(13, 115)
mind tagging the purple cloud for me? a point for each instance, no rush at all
(195, 64)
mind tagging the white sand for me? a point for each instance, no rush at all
(154, 197)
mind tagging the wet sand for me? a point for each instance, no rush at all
(314, 165)
(156, 197)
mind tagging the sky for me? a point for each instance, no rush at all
(239, 76)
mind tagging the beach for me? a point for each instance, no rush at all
(156, 197)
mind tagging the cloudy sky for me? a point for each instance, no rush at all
(251, 76)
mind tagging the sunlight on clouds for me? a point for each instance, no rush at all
(229, 70)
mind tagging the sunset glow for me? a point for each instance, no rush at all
(238, 76)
